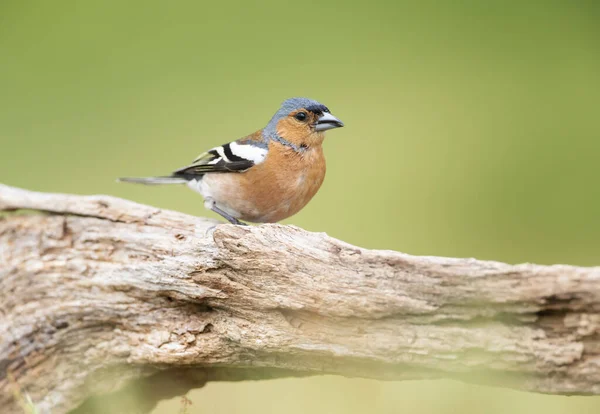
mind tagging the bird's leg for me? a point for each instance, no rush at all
(229, 218)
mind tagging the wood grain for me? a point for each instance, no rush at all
(102, 294)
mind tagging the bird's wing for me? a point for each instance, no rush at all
(237, 156)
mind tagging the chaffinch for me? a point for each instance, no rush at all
(264, 177)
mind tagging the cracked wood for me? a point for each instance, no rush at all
(103, 293)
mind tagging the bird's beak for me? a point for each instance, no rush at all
(328, 121)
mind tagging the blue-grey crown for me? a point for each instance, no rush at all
(290, 105)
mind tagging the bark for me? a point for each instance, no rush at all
(102, 295)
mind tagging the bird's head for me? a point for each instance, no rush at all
(302, 122)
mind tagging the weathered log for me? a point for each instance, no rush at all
(103, 293)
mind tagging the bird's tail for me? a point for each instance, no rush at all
(153, 180)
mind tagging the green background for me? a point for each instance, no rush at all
(472, 129)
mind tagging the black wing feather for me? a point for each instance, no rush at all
(221, 166)
(212, 162)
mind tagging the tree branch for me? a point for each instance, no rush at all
(105, 293)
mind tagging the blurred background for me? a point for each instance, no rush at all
(472, 130)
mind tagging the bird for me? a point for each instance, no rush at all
(264, 177)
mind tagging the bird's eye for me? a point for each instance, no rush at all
(300, 116)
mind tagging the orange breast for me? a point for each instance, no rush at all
(275, 189)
